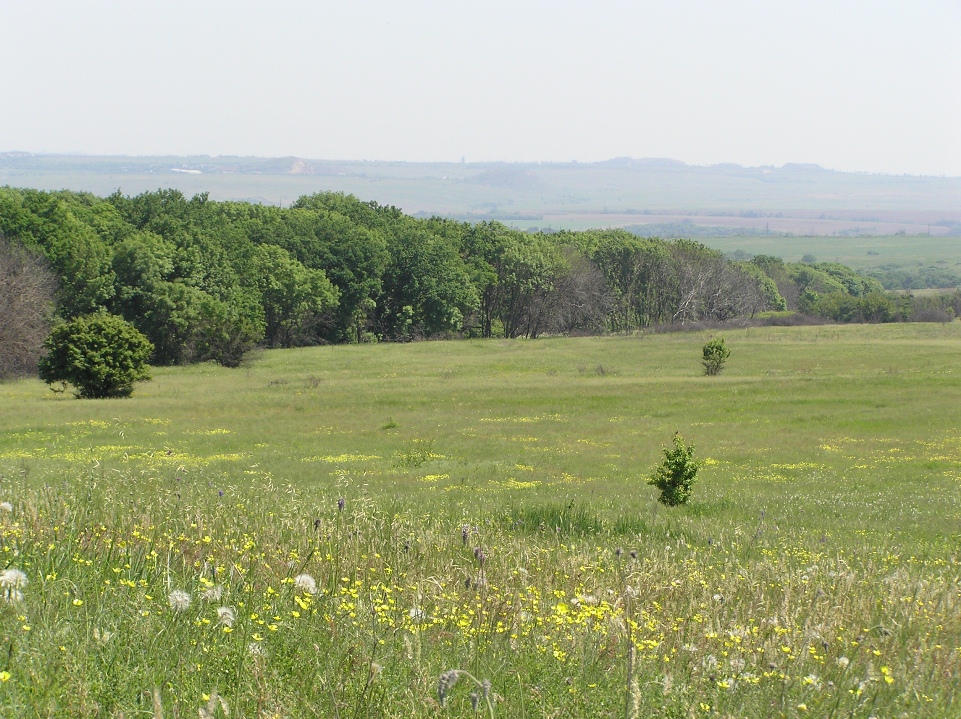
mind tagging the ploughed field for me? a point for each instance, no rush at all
(328, 531)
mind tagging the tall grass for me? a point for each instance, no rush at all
(743, 621)
(485, 511)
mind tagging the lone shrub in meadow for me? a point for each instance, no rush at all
(101, 355)
(715, 355)
(676, 474)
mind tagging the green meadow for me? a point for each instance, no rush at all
(858, 251)
(481, 506)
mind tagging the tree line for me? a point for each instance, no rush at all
(207, 280)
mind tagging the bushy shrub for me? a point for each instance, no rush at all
(715, 355)
(101, 355)
(676, 474)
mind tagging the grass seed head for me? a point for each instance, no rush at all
(446, 682)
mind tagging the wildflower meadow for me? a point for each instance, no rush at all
(466, 529)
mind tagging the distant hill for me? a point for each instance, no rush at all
(795, 198)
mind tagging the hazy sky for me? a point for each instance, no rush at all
(872, 86)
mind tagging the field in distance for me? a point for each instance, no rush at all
(861, 253)
(900, 262)
(480, 505)
(797, 199)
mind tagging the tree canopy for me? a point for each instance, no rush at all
(206, 280)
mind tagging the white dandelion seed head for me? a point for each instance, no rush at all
(179, 600)
(843, 662)
(305, 583)
(212, 594)
(226, 616)
(6, 507)
(13, 579)
(12, 582)
(256, 649)
(417, 614)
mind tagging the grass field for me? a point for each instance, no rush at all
(481, 506)
(856, 252)
(929, 261)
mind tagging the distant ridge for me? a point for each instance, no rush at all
(796, 198)
(296, 165)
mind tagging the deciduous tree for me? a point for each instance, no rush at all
(27, 289)
(101, 355)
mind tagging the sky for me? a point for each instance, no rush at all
(871, 86)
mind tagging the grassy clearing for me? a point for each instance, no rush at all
(495, 520)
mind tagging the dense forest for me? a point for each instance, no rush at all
(206, 280)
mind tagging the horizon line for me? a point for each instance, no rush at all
(622, 158)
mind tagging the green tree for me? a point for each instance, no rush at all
(775, 268)
(715, 354)
(101, 355)
(766, 295)
(675, 476)
(808, 277)
(514, 273)
(639, 274)
(226, 329)
(426, 289)
(352, 256)
(294, 297)
(77, 254)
